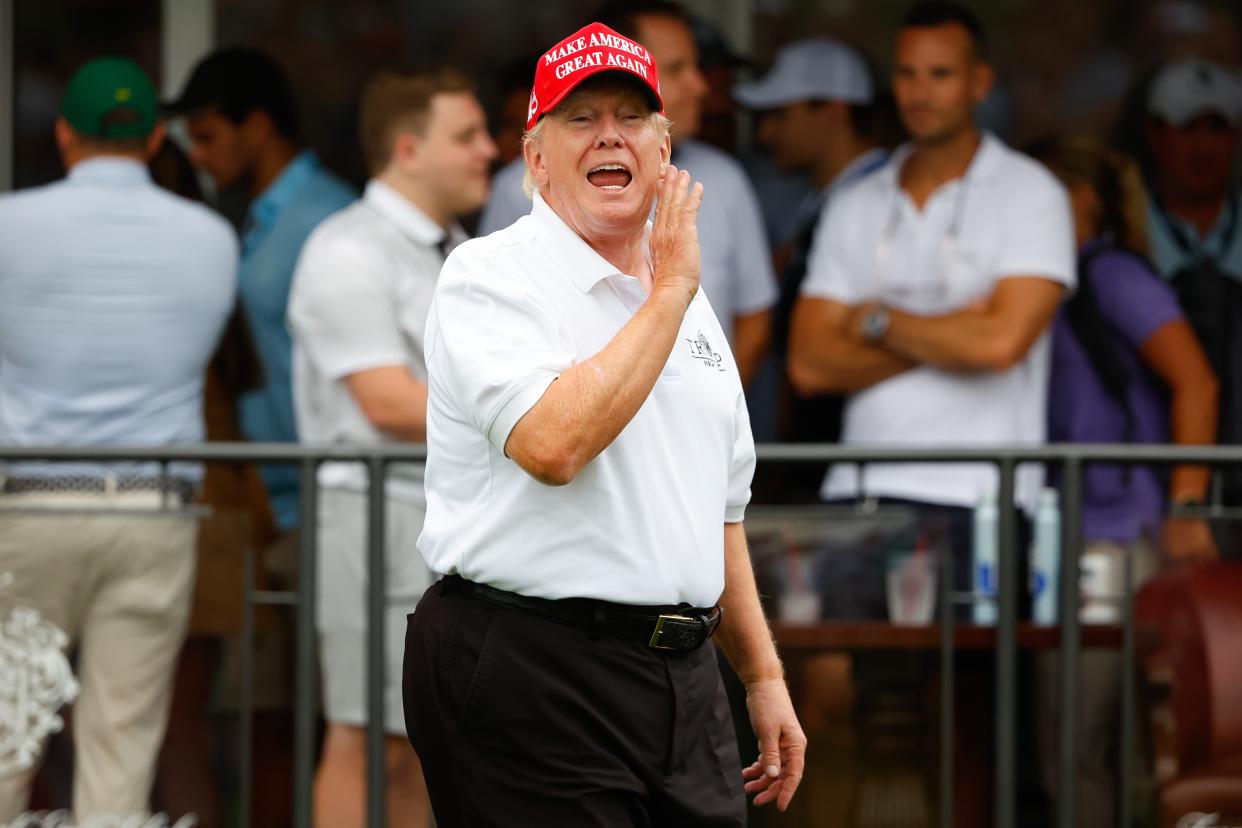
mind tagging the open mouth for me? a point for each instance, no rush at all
(613, 177)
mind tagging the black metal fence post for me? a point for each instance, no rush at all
(1006, 649)
(376, 616)
(1067, 610)
(304, 650)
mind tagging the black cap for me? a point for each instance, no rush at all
(713, 47)
(236, 82)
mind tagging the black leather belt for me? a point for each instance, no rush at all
(677, 628)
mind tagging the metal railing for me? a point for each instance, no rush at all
(1071, 459)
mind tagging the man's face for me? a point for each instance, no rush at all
(937, 81)
(220, 148)
(793, 134)
(598, 159)
(682, 87)
(455, 153)
(1195, 159)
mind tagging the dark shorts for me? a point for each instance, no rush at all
(523, 721)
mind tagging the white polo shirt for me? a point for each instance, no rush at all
(113, 294)
(643, 522)
(1007, 216)
(359, 300)
(736, 265)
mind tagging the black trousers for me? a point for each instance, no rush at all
(521, 721)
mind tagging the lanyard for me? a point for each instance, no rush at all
(936, 289)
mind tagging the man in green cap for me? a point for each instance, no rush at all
(113, 293)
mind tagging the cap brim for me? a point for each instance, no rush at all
(1180, 119)
(639, 81)
(183, 105)
(764, 95)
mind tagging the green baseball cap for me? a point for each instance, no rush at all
(110, 97)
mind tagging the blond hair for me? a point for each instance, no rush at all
(1115, 177)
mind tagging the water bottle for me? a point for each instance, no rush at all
(984, 555)
(1046, 557)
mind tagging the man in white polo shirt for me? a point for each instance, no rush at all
(357, 310)
(589, 467)
(931, 287)
(113, 293)
(737, 270)
(928, 297)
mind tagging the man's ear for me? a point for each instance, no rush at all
(984, 78)
(406, 151)
(156, 140)
(66, 143)
(666, 149)
(532, 151)
(258, 127)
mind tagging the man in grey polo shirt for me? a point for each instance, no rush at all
(737, 273)
(113, 293)
(357, 310)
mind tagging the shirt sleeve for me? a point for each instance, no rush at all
(341, 310)
(827, 274)
(756, 282)
(1039, 234)
(495, 346)
(1132, 298)
(742, 464)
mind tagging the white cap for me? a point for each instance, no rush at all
(1186, 89)
(817, 69)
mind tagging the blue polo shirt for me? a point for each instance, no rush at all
(276, 226)
(113, 293)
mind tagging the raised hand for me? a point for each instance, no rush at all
(674, 233)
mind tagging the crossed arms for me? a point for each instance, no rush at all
(828, 352)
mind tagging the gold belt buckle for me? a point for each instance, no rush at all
(654, 643)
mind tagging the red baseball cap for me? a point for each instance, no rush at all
(590, 50)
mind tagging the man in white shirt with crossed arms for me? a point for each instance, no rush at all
(357, 310)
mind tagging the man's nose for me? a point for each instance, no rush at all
(609, 133)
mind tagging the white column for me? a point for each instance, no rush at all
(187, 33)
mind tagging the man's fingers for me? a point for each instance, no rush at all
(789, 782)
(695, 199)
(752, 771)
(770, 753)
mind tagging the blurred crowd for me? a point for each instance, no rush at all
(936, 256)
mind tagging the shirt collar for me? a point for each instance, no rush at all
(571, 253)
(983, 165)
(871, 160)
(405, 216)
(281, 192)
(110, 169)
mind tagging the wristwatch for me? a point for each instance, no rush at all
(875, 324)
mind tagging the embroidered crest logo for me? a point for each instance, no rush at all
(701, 350)
(35, 682)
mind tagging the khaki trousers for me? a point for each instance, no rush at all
(119, 587)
